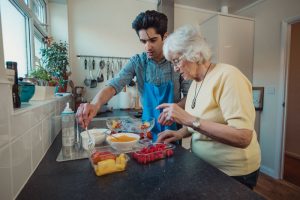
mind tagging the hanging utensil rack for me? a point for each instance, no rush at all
(103, 57)
(113, 65)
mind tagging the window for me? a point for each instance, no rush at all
(39, 9)
(14, 26)
(38, 44)
(23, 31)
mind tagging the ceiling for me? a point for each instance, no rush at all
(213, 5)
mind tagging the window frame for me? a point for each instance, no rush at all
(32, 25)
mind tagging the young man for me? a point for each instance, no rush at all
(157, 81)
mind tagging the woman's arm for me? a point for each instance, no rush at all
(223, 133)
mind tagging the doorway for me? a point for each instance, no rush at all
(291, 153)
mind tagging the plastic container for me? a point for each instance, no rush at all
(68, 130)
(98, 137)
(104, 160)
(153, 152)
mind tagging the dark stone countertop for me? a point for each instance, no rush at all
(183, 176)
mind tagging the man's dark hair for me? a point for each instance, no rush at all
(151, 19)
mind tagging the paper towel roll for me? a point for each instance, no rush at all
(125, 100)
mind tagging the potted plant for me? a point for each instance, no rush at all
(56, 62)
(45, 85)
(42, 76)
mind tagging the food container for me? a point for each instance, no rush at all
(104, 160)
(153, 152)
(98, 137)
(120, 142)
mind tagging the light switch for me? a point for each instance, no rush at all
(270, 90)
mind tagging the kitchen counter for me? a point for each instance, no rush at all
(183, 176)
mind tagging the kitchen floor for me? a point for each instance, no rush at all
(267, 187)
(276, 189)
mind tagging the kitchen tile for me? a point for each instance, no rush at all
(48, 108)
(5, 173)
(5, 115)
(46, 129)
(54, 126)
(37, 151)
(20, 123)
(21, 162)
(37, 115)
(57, 108)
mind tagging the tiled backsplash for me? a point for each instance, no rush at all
(25, 136)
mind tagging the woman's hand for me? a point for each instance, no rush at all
(163, 119)
(172, 112)
(85, 113)
(168, 136)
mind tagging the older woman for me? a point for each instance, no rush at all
(219, 112)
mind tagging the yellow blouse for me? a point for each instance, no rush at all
(225, 97)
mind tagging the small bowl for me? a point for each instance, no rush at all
(26, 91)
(123, 146)
(115, 124)
(98, 137)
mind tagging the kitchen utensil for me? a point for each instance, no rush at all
(109, 133)
(87, 81)
(100, 78)
(112, 69)
(90, 141)
(93, 80)
(119, 65)
(108, 68)
(93, 63)
(98, 136)
(77, 137)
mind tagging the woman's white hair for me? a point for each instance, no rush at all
(187, 41)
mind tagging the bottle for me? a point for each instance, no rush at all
(68, 130)
(15, 88)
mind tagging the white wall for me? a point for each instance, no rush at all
(2, 72)
(266, 72)
(189, 15)
(58, 21)
(102, 28)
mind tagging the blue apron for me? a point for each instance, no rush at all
(153, 96)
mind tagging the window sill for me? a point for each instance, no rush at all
(25, 107)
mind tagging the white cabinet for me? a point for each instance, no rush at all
(231, 39)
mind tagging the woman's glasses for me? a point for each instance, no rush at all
(176, 61)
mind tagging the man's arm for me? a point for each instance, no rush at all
(103, 96)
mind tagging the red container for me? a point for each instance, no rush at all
(153, 152)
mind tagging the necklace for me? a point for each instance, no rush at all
(197, 92)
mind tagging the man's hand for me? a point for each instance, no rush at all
(85, 113)
(168, 136)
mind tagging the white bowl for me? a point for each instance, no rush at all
(123, 146)
(98, 137)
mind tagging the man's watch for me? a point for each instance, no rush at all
(196, 124)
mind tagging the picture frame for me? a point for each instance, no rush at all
(258, 97)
